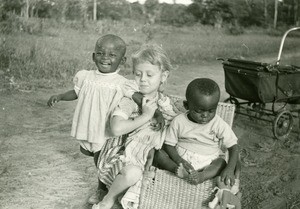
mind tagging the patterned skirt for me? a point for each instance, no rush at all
(110, 161)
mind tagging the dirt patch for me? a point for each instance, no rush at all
(40, 164)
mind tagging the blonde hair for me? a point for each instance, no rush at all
(153, 54)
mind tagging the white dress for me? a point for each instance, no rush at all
(98, 94)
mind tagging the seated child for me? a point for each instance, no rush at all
(151, 68)
(193, 138)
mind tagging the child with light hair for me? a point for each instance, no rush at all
(125, 158)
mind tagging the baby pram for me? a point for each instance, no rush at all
(252, 85)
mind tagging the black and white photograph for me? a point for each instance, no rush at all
(149, 104)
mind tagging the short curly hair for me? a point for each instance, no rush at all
(204, 86)
(120, 43)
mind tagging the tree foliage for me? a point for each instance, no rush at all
(218, 13)
(176, 15)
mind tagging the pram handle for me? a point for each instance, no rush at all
(282, 42)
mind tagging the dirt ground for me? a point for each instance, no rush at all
(41, 166)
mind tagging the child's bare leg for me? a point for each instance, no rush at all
(129, 176)
(163, 161)
(211, 171)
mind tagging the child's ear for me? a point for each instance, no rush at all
(185, 104)
(165, 75)
(93, 56)
(123, 60)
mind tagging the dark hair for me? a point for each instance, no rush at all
(204, 86)
(111, 37)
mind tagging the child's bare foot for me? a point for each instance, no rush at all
(103, 205)
(181, 172)
(96, 197)
(195, 177)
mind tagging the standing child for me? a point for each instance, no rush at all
(98, 92)
(193, 138)
(151, 68)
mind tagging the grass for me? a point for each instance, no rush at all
(53, 55)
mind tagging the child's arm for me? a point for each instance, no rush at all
(159, 119)
(228, 173)
(67, 96)
(137, 97)
(121, 126)
(173, 154)
(150, 158)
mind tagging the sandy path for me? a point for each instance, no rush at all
(41, 166)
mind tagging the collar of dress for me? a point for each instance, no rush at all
(108, 74)
(156, 97)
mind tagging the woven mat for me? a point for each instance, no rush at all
(166, 191)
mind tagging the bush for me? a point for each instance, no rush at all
(176, 15)
(14, 23)
(114, 15)
(11, 24)
(234, 30)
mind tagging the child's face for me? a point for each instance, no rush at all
(202, 108)
(108, 56)
(149, 77)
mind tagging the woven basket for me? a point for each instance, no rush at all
(166, 191)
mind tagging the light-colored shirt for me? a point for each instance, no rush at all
(204, 139)
(98, 94)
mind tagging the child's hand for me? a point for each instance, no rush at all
(187, 166)
(53, 99)
(137, 97)
(160, 121)
(227, 176)
(149, 107)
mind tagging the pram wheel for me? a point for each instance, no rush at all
(283, 124)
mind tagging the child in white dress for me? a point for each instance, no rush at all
(151, 68)
(98, 92)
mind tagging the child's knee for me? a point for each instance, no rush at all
(220, 163)
(160, 155)
(132, 173)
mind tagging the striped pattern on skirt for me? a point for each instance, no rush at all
(110, 161)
